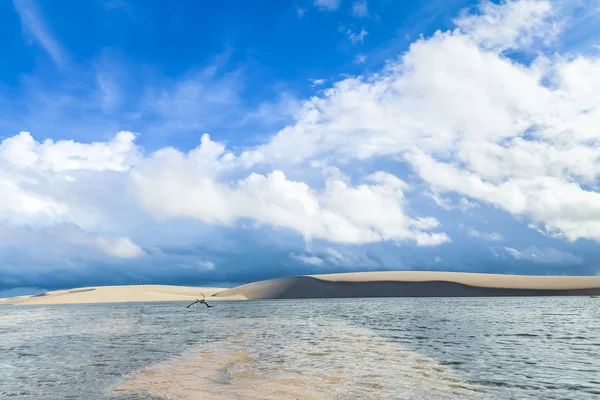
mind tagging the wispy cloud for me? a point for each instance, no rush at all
(35, 27)
(360, 59)
(300, 12)
(360, 9)
(307, 259)
(327, 5)
(490, 236)
(544, 255)
(112, 5)
(195, 101)
(208, 265)
(446, 203)
(109, 91)
(317, 82)
(355, 38)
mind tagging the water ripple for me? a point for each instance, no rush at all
(322, 349)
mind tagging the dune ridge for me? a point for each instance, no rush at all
(415, 284)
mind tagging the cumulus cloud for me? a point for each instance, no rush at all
(521, 137)
(467, 121)
(172, 184)
(91, 193)
(23, 152)
(36, 177)
(509, 24)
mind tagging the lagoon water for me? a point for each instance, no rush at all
(394, 348)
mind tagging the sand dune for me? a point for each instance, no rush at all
(414, 284)
(115, 294)
(359, 284)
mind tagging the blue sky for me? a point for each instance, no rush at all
(224, 142)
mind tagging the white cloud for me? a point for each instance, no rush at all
(440, 201)
(35, 26)
(544, 255)
(463, 204)
(467, 119)
(355, 38)
(307, 259)
(64, 240)
(514, 253)
(351, 258)
(18, 204)
(23, 152)
(489, 236)
(360, 59)
(120, 248)
(360, 9)
(109, 92)
(199, 99)
(173, 184)
(327, 5)
(37, 179)
(317, 82)
(334, 255)
(207, 265)
(45, 183)
(509, 24)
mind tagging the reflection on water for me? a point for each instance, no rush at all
(526, 348)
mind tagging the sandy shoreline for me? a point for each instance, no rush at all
(358, 284)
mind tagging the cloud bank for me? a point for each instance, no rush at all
(454, 116)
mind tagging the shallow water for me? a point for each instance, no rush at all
(406, 348)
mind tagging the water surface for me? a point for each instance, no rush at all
(404, 348)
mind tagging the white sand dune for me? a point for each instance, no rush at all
(426, 284)
(358, 284)
(116, 294)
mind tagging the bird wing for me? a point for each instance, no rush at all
(189, 305)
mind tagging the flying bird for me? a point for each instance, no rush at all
(203, 301)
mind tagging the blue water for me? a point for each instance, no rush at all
(406, 348)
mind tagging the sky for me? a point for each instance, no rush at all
(217, 143)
